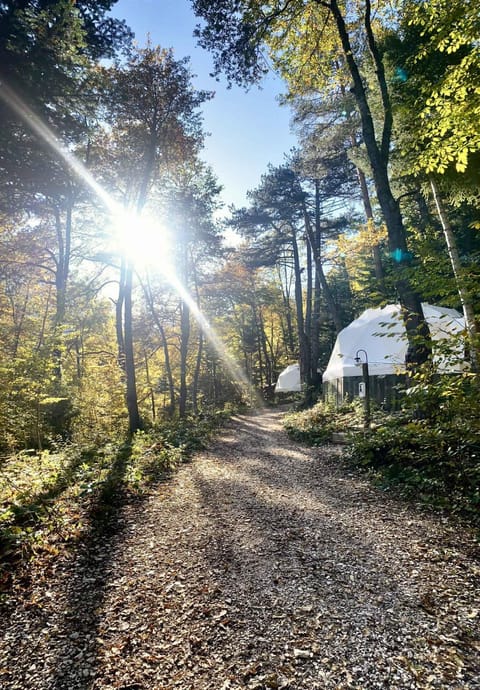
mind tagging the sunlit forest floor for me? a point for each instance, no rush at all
(260, 564)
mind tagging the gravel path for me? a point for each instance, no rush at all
(262, 564)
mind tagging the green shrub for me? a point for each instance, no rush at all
(316, 425)
(436, 465)
(431, 450)
(49, 496)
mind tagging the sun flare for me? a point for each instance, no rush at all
(144, 240)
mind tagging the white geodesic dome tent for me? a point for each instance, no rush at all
(289, 380)
(381, 334)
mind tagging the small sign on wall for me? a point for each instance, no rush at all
(361, 389)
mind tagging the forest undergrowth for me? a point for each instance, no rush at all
(432, 457)
(49, 498)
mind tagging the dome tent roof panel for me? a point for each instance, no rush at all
(381, 333)
(289, 380)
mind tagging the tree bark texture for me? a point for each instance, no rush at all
(416, 327)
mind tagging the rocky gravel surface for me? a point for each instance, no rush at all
(260, 564)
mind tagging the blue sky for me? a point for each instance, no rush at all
(247, 130)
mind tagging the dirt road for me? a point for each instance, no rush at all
(261, 564)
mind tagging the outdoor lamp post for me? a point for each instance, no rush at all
(366, 381)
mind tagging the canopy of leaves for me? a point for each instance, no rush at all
(47, 48)
(153, 111)
(442, 71)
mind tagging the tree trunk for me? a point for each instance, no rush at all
(308, 328)
(127, 335)
(268, 361)
(309, 294)
(303, 349)
(367, 206)
(315, 337)
(134, 421)
(258, 343)
(314, 239)
(468, 312)
(215, 381)
(147, 291)
(315, 334)
(196, 376)
(150, 387)
(119, 316)
(416, 327)
(290, 339)
(62, 268)
(198, 361)
(63, 230)
(184, 340)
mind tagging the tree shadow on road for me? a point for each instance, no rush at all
(65, 625)
(90, 574)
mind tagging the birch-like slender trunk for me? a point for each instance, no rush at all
(467, 307)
